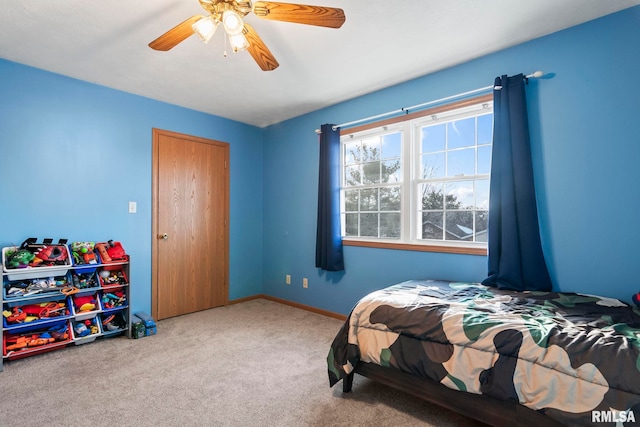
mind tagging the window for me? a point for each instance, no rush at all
(371, 190)
(422, 180)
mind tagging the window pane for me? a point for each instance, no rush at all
(484, 159)
(460, 195)
(432, 166)
(482, 225)
(351, 153)
(352, 175)
(390, 199)
(351, 225)
(461, 162)
(391, 171)
(371, 173)
(448, 181)
(371, 149)
(432, 196)
(433, 138)
(369, 199)
(369, 225)
(432, 225)
(391, 145)
(351, 200)
(485, 129)
(390, 225)
(482, 194)
(459, 226)
(461, 133)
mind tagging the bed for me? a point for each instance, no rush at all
(502, 357)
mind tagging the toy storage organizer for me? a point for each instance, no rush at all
(80, 304)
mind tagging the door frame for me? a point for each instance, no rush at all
(156, 133)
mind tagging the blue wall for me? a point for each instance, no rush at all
(73, 154)
(585, 132)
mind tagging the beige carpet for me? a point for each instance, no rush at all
(258, 363)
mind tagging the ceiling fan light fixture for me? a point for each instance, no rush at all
(242, 36)
(238, 42)
(232, 22)
(205, 28)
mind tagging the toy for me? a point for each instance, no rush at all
(114, 323)
(31, 312)
(83, 252)
(43, 339)
(59, 334)
(113, 277)
(83, 281)
(85, 328)
(20, 259)
(85, 303)
(32, 254)
(81, 330)
(114, 299)
(54, 254)
(35, 286)
(102, 250)
(111, 251)
(18, 342)
(137, 327)
(116, 251)
(17, 315)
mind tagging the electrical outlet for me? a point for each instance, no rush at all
(287, 279)
(305, 283)
(133, 207)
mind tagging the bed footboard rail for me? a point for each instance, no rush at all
(480, 407)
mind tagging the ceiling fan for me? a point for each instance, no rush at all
(242, 36)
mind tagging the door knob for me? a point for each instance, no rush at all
(164, 236)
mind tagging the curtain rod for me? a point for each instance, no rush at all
(405, 110)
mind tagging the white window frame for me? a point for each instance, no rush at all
(410, 126)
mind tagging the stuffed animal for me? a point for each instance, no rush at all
(20, 259)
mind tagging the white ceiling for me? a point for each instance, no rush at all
(382, 43)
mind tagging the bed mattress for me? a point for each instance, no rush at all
(573, 357)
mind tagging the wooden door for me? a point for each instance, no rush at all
(190, 224)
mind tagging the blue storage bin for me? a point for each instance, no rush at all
(26, 326)
(81, 266)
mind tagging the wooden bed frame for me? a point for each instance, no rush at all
(483, 408)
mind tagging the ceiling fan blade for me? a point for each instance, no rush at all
(175, 35)
(258, 50)
(300, 13)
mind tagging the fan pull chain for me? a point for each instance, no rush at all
(224, 53)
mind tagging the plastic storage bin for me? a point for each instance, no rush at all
(28, 314)
(113, 323)
(28, 272)
(36, 339)
(113, 276)
(34, 289)
(84, 282)
(85, 331)
(77, 303)
(85, 258)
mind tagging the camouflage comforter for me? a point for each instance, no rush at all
(567, 355)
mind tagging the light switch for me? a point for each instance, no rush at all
(133, 207)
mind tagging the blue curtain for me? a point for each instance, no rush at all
(516, 260)
(328, 239)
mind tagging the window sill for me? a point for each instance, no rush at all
(414, 247)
